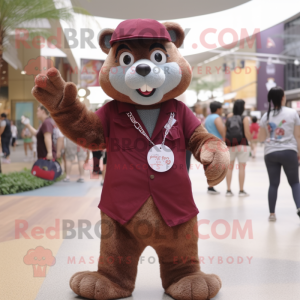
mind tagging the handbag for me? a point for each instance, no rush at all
(46, 169)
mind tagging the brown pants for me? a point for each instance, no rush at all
(122, 246)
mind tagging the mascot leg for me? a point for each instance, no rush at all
(179, 264)
(117, 268)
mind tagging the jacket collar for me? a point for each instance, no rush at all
(167, 106)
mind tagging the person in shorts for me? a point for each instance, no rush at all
(27, 142)
(71, 151)
(237, 140)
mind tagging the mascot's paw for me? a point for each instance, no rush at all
(197, 287)
(52, 91)
(215, 157)
(93, 285)
(49, 88)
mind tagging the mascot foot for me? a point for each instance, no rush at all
(93, 285)
(197, 287)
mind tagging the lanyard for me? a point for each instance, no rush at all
(138, 126)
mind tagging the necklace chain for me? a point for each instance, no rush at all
(138, 126)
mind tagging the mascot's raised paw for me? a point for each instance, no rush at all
(197, 287)
(93, 285)
(215, 157)
(52, 91)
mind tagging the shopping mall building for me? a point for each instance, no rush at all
(242, 61)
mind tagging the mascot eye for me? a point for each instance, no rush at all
(158, 57)
(126, 59)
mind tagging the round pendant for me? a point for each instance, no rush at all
(160, 158)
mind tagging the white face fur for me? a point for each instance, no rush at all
(145, 81)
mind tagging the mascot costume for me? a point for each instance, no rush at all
(147, 196)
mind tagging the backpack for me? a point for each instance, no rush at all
(235, 130)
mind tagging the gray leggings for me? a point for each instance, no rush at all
(288, 159)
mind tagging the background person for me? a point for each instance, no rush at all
(254, 128)
(34, 147)
(104, 166)
(97, 156)
(14, 134)
(58, 141)
(5, 133)
(237, 137)
(72, 150)
(280, 129)
(59, 144)
(214, 124)
(199, 112)
(27, 141)
(96, 162)
(44, 135)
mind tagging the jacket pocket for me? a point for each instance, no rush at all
(173, 137)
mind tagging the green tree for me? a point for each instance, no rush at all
(16, 13)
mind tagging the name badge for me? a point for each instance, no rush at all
(160, 158)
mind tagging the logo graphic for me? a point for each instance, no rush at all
(39, 258)
(276, 132)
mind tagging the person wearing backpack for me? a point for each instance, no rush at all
(237, 140)
(280, 129)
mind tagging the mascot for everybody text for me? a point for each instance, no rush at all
(147, 197)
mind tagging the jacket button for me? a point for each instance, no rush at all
(151, 176)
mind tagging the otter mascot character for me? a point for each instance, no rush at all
(147, 197)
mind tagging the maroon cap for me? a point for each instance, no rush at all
(140, 29)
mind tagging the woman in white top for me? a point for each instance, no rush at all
(280, 129)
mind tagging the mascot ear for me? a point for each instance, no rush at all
(104, 39)
(176, 33)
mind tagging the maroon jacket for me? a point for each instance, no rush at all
(129, 180)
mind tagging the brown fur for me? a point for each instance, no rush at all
(71, 116)
(178, 31)
(183, 281)
(176, 248)
(104, 33)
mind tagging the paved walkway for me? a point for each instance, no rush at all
(17, 157)
(263, 268)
